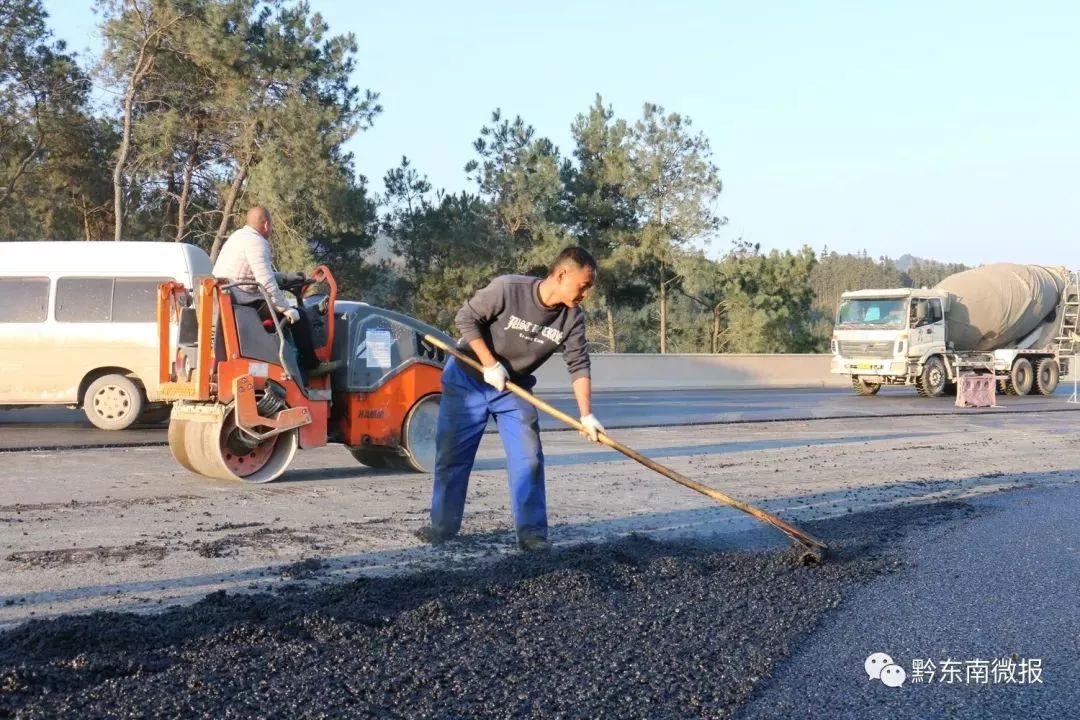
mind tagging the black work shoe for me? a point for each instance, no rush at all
(534, 544)
(325, 368)
(429, 534)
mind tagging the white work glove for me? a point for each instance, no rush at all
(591, 427)
(292, 315)
(496, 376)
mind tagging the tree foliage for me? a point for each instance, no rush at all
(673, 184)
(221, 104)
(231, 103)
(50, 146)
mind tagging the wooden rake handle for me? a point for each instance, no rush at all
(786, 528)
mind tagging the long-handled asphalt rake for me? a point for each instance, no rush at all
(812, 549)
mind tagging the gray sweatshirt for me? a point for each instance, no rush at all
(521, 331)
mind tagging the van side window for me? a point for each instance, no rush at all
(24, 299)
(84, 299)
(119, 300)
(135, 299)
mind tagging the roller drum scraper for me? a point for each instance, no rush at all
(810, 549)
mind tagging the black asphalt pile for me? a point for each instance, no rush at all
(628, 629)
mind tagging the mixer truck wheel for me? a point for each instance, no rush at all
(933, 380)
(1021, 377)
(1047, 374)
(863, 388)
(218, 449)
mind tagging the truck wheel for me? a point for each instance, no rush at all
(864, 388)
(933, 380)
(113, 402)
(1047, 374)
(1021, 377)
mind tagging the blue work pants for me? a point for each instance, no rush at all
(467, 403)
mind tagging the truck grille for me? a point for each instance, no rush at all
(866, 349)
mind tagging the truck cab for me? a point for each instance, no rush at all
(900, 337)
(887, 337)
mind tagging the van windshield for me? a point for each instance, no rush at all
(883, 313)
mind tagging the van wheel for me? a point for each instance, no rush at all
(1047, 374)
(113, 402)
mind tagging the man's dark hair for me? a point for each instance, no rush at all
(579, 256)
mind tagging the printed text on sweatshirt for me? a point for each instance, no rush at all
(520, 330)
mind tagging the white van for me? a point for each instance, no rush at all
(78, 324)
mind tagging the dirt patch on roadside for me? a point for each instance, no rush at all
(303, 569)
(19, 508)
(61, 557)
(262, 539)
(234, 526)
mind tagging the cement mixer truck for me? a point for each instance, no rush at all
(1017, 322)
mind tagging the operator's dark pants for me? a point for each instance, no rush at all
(464, 409)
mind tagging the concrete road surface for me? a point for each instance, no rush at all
(996, 594)
(128, 528)
(59, 427)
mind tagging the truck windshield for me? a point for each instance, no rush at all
(878, 313)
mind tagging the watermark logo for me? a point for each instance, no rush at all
(1012, 670)
(880, 666)
(893, 675)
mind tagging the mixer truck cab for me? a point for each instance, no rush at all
(1017, 323)
(883, 337)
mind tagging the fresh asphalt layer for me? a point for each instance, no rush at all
(630, 628)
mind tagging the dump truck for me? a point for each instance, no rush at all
(1016, 322)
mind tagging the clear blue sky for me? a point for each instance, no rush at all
(948, 130)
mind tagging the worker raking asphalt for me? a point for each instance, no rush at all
(631, 628)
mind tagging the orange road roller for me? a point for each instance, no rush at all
(242, 406)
